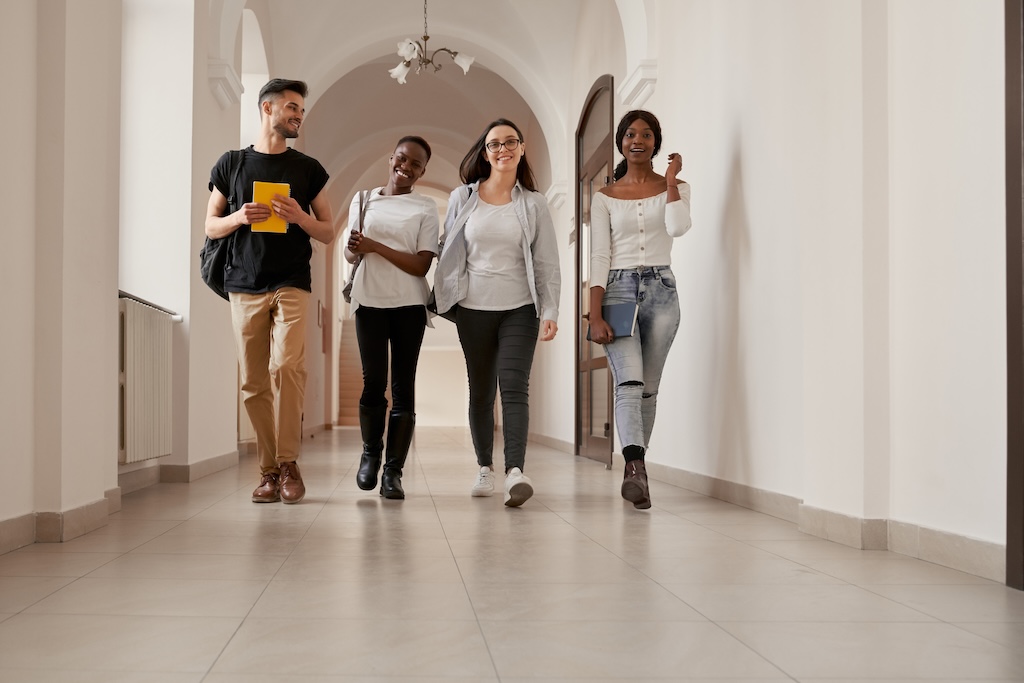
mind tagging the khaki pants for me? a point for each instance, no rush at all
(270, 336)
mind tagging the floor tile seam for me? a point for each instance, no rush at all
(960, 626)
(462, 578)
(74, 579)
(808, 567)
(248, 614)
(868, 588)
(79, 577)
(654, 581)
(269, 581)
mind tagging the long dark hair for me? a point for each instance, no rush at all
(475, 166)
(620, 132)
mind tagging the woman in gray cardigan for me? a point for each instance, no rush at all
(498, 278)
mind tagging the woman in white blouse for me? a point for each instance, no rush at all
(389, 296)
(633, 223)
(498, 278)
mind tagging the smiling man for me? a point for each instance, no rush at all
(268, 279)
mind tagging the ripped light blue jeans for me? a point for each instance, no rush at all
(637, 362)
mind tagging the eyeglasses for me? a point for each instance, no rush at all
(510, 145)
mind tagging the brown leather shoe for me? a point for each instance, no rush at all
(268, 491)
(634, 485)
(292, 488)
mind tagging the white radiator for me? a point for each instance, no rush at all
(145, 382)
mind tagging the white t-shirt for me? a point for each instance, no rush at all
(404, 222)
(495, 261)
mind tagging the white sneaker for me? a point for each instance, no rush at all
(518, 488)
(484, 484)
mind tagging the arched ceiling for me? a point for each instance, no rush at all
(356, 123)
(356, 112)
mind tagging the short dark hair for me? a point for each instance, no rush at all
(475, 166)
(417, 140)
(275, 86)
(620, 132)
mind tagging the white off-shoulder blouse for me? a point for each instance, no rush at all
(633, 233)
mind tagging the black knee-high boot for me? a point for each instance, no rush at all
(400, 429)
(371, 426)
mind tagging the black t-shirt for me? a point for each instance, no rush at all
(265, 261)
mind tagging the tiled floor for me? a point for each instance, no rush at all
(193, 582)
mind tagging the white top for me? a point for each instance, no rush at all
(494, 260)
(633, 233)
(404, 222)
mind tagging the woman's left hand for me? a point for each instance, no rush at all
(548, 330)
(675, 164)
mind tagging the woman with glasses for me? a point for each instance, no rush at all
(498, 277)
(633, 222)
(398, 242)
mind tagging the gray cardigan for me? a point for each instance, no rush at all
(540, 248)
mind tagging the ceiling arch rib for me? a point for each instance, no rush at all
(529, 88)
(354, 133)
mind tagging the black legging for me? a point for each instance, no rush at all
(499, 347)
(403, 329)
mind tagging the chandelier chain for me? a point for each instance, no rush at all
(425, 34)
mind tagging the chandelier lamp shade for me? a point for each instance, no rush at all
(414, 54)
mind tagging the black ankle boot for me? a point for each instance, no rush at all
(371, 425)
(400, 429)
(634, 485)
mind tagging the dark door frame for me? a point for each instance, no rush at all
(583, 427)
(1014, 26)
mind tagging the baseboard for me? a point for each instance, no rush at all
(183, 474)
(113, 497)
(311, 432)
(770, 503)
(864, 534)
(969, 555)
(136, 480)
(17, 532)
(551, 442)
(57, 527)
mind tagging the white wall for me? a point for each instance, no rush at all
(91, 194)
(210, 402)
(842, 292)
(18, 264)
(948, 232)
(156, 179)
(756, 125)
(69, 376)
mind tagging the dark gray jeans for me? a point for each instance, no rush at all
(499, 347)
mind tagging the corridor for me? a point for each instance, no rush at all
(193, 582)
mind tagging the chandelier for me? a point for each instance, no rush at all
(414, 52)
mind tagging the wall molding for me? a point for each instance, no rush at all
(184, 474)
(638, 87)
(549, 441)
(129, 482)
(113, 497)
(969, 555)
(57, 527)
(224, 83)
(17, 532)
(556, 194)
(770, 503)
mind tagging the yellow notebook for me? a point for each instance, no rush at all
(262, 193)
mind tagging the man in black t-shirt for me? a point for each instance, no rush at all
(267, 278)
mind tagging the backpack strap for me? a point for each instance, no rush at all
(237, 160)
